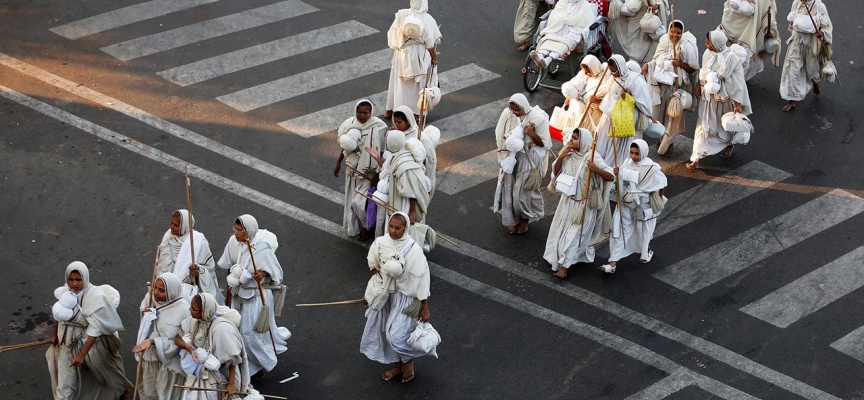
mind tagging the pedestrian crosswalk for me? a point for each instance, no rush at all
(715, 263)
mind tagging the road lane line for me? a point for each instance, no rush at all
(852, 344)
(478, 119)
(323, 121)
(172, 39)
(661, 328)
(124, 16)
(583, 329)
(173, 129)
(261, 54)
(309, 81)
(468, 173)
(811, 292)
(748, 248)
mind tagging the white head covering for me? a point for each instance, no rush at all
(718, 40)
(420, 5)
(409, 115)
(593, 63)
(250, 224)
(521, 101)
(643, 148)
(620, 64)
(173, 288)
(585, 140)
(81, 268)
(176, 241)
(395, 141)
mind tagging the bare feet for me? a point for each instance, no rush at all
(364, 234)
(524, 46)
(523, 227)
(693, 166)
(396, 371)
(408, 371)
(561, 273)
(816, 90)
(259, 375)
(511, 230)
(727, 152)
(790, 105)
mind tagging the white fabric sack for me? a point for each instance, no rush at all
(802, 23)
(252, 394)
(736, 122)
(424, 338)
(772, 45)
(432, 96)
(61, 313)
(741, 137)
(631, 7)
(112, 294)
(664, 72)
(432, 133)
(508, 164)
(382, 197)
(268, 237)
(412, 27)
(829, 72)
(711, 79)
(350, 141)
(376, 292)
(59, 292)
(559, 118)
(189, 366)
(650, 23)
(566, 184)
(742, 7)
(415, 147)
(514, 144)
(68, 299)
(283, 333)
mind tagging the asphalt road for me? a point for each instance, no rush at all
(754, 289)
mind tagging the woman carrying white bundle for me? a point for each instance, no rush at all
(247, 273)
(160, 325)
(752, 24)
(580, 223)
(578, 91)
(387, 331)
(638, 24)
(808, 52)
(431, 135)
(413, 37)
(627, 96)
(88, 338)
(568, 25)
(356, 133)
(642, 184)
(677, 54)
(213, 351)
(517, 196)
(175, 256)
(722, 89)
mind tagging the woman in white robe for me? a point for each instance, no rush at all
(806, 51)
(577, 227)
(84, 361)
(748, 26)
(566, 27)
(362, 130)
(578, 90)
(245, 296)
(624, 22)
(429, 141)
(212, 348)
(175, 257)
(718, 62)
(385, 336)
(517, 195)
(624, 81)
(642, 184)
(678, 53)
(413, 37)
(161, 318)
(404, 185)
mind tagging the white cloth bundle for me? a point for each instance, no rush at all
(210, 362)
(801, 22)
(572, 90)
(412, 27)
(566, 184)
(188, 364)
(60, 313)
(268, 237)
(424, 338)
(415, 147)
(650, 23)
(432, 98)
(631, 7)
(736, 122)
(664, 71)
(742, 53)
(711, 79)
(112, 294)
(252, 394)
(350, 141)
(514, 144)
(433, 134)
(238, 276)
(742, 7)
(377, 291)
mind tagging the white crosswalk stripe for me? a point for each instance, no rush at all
(319, 122)
(261, 54)
(750, 247)
(811, 292)
(468, 173)
(468, 122)
(852, 344)
(124, 16)
(172, 39)
(309, 81)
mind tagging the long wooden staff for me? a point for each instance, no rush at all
(674, 47)
(265, 311)
(201, 389)
(332, 303)
(585, 193)
(422, 123)
(824, 50)
(194, 280)
(24, 345)
(585, 114)
(138, 370)
(618, 187)
(360, 174)
(393, 209)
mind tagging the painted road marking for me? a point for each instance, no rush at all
(124, 16)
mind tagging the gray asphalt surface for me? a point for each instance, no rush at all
(508, 330)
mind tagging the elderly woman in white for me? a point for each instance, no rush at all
(567, 26)
(642, 184)
(175, 256)
(722, 89)
(402, 265)
(806, 52)
(750, 23)
(413, 37)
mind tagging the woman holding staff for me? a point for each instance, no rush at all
(250, 275)
(808, 50)
(161, 317)
(175, 256)
(413, 37)
(581, 222)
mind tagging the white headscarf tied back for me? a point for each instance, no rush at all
(81, 268)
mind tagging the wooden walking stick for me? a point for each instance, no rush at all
(202, 389)
(263, 321)
(393, 209)
(585, 114)
(618, 187)
(585, 193)
(821, 40)
(139, 370)
(332, 303)
(194, 280)
(20, 346)
(422, 123)
(674, 46)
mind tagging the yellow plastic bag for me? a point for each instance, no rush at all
(623, 120)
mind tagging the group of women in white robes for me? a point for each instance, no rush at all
(84, 360)
(517, 195)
